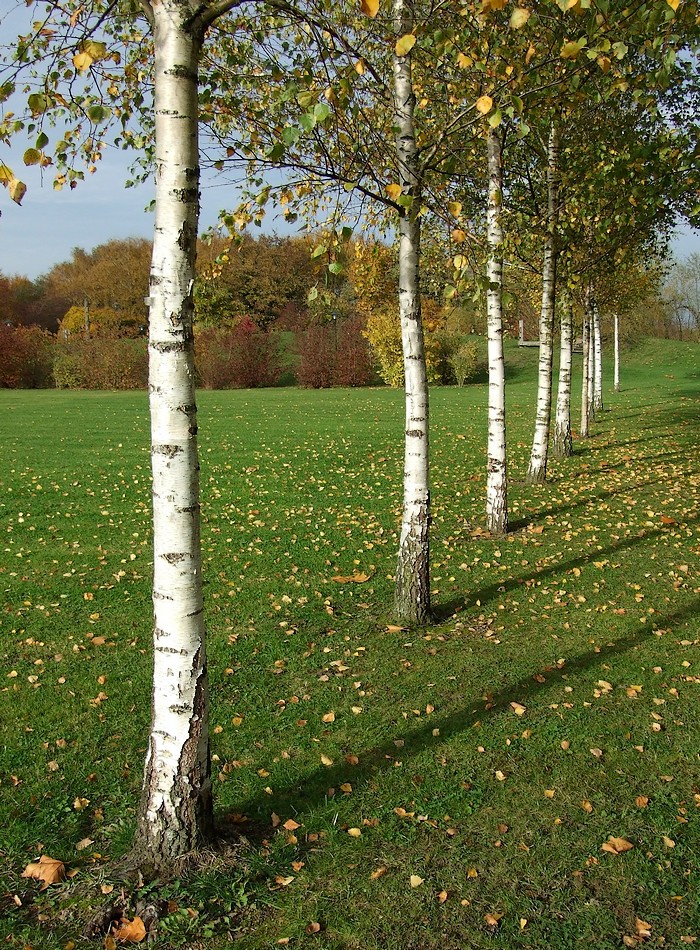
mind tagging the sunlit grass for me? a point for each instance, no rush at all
(491, 755)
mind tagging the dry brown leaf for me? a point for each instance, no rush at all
(328, 717)
(377, 873)
(291, 825)
(130, 931)
(518, 709)
(641, 801)
(356, 578)
(313, 928)
(493, 919)
(616, 845)
(442, 897)
(46, 869)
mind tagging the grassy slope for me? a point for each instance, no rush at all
(586, 616)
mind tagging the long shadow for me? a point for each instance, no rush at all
(538, 513)
(301, 798)
(504, 585)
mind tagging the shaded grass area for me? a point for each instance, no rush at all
(488, 756)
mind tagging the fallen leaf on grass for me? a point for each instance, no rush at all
(84, 843)
(313, 928)
(46, 869)
(416, 881)
(442, 897)
(130, 931)
(351, 578)
(518, 709)
(377, 873)
(616, 845)
(493, 919)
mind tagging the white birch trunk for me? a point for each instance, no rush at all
(176, 806)
(617, 354)
(591, 366)
(562, 443)
(537, 470)
(412, 595)
(598, 349)
(585, 372)
(496, 474)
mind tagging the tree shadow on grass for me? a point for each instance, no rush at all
(303, 797)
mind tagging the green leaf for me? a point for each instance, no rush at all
(42, 140)
(312, 294)
(98, 113)
(321, 111)
(335, 268)
(38, 103)
(6, 91)
(31, 157)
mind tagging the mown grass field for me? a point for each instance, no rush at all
(448, 787)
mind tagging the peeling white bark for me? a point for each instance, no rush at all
(591, 363)
(496, 473)
(585, 373)
(537, 470)
(598, 350)
(562, 444)
(412, 594)
(176, 808)
(617, 354)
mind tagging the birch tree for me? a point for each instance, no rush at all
(537, 470)
(175, 814)
(562, 442)
(496, 479)
(598, 362)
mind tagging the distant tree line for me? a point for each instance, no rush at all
(269, 313)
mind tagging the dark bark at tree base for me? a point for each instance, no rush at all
(412, 595)
(536, 476)
(562, 445)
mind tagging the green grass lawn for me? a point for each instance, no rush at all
(449, 787)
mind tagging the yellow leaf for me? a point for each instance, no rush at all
(500, 776)
(586, 805)
(673, 4)
(354, 832)
(17, 190)
(464, 61)
(359, 68)
(370, 7)
(669, 842)
(519, 17)
(604, 63)
(394, 191)
(130, 931)
(493, 919)
(377, 873)
(329, 717)
(82, 61)
(405, 44)
(326, 761)
(549, 793)
(641, 801)
(416, 881)
(291, 825)
(570, 50)
(459, 236)
(518, 709)
(455, 208)
(46, 869)
(530, 53)
(484, 104)
(355, 578)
